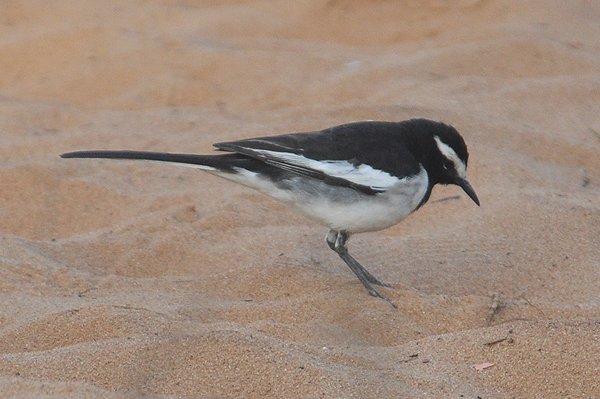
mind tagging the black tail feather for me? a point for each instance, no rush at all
(222, 162)
(146, 155)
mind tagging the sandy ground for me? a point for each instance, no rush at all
(131, 279)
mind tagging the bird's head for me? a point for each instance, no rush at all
(446, 160)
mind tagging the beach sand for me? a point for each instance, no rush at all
(124, 279)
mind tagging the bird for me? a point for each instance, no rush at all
(352, 178)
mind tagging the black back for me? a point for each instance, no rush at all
(407, 145)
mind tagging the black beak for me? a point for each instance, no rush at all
(466, 186)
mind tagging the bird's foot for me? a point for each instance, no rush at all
(377, 294)
(337, 242)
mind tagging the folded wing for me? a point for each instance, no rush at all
(343, 163)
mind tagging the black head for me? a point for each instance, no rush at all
(443, 153)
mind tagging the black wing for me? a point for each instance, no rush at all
(367, 156)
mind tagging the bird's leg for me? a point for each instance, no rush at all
(337, 239)
(337, 242)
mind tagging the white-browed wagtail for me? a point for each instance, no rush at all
(352, 178)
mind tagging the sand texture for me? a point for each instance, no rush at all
(124, 279)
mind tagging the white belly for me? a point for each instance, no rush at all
(342, 208)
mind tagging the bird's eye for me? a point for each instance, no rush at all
(448, 166)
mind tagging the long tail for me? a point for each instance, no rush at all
(225, 165)
(201, 161)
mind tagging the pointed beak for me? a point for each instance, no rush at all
(466, 186)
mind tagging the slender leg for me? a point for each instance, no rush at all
(337, 242)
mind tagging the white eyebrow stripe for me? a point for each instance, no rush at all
(448, 152)
(363, 174)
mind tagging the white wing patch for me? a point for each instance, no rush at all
(188, 165)
(364, 175)
(449, 153)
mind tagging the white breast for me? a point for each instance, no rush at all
(342, 208)
(361, 213)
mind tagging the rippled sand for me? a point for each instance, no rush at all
(130, 279)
